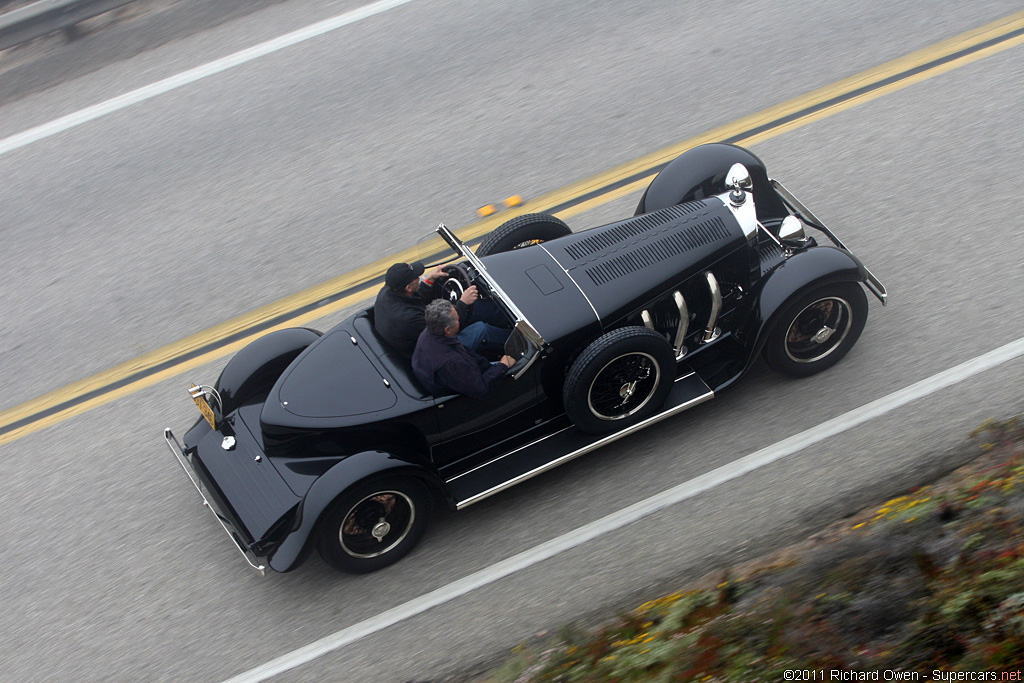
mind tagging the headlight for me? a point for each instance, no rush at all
(792, 228)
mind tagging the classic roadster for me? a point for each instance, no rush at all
(327, 440)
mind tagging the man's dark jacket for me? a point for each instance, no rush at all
(399, 319)
(444, 366)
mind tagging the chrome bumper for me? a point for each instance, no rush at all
(186, 464)
(802, 212)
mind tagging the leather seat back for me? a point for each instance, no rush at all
(395, 364)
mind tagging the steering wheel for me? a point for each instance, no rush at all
(457, 283)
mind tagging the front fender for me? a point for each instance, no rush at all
(796, 275)
(700, 172)
(331, 484)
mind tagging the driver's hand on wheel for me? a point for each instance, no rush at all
(470, 295)
(509, 361)
(438, 273)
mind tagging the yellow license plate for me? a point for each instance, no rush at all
(206, 410)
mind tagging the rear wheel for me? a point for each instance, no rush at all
(816, 330)
(620, 379)
(375, 525)
(522, 231)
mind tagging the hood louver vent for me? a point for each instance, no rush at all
(695, 236)
(633, 228)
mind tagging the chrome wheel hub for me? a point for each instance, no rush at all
(818, 330)
(623, 386)
(377, 524)
(823, 335)
(380, 530)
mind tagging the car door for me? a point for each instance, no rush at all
(469, 425)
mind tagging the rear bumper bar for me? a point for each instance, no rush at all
(186, 464)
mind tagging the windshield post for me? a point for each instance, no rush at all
(524, 326)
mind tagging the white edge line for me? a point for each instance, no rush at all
(635, 512)
(184, 78)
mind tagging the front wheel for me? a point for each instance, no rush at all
(816, 330)
(621, 378)
(375, 525)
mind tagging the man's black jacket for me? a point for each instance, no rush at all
(399, 319)
(444, 366)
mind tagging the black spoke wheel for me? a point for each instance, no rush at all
(522, 231)
(816, 330)
(623, 386)
(620, 379)
(374, 525)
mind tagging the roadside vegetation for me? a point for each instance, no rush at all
(931, 580)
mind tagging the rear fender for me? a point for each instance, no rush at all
(800, 273)
(325, 490)
(258, 365)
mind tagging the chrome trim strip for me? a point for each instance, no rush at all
(771, 235)
(873, 284)
(572, 279)
(533, 443)
(684, 322)
(505, 455)
(583, 451)
(711, 332)
(186, 464)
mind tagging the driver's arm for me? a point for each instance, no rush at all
(428, 291)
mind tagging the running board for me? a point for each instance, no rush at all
(558, 448)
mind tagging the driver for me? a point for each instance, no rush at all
(398, 310)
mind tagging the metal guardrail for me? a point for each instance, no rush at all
(49, 16)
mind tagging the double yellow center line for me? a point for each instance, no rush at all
(356, 286)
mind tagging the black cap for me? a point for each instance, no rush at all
(401, 274)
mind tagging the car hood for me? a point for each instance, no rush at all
(601, 274)
(332, 383)
(620, 265)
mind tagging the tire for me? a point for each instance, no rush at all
(522, 231)
(352, 540)
(621, 378)
(817, 329)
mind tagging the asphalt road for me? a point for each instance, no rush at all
(170, 216)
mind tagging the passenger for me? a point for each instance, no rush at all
(444, 365)
(398, 310)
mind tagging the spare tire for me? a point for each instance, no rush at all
(620, 379)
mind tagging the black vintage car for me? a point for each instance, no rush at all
(327, 440)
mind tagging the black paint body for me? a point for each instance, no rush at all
(315, 415)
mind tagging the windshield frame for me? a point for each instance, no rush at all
(522, 324)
